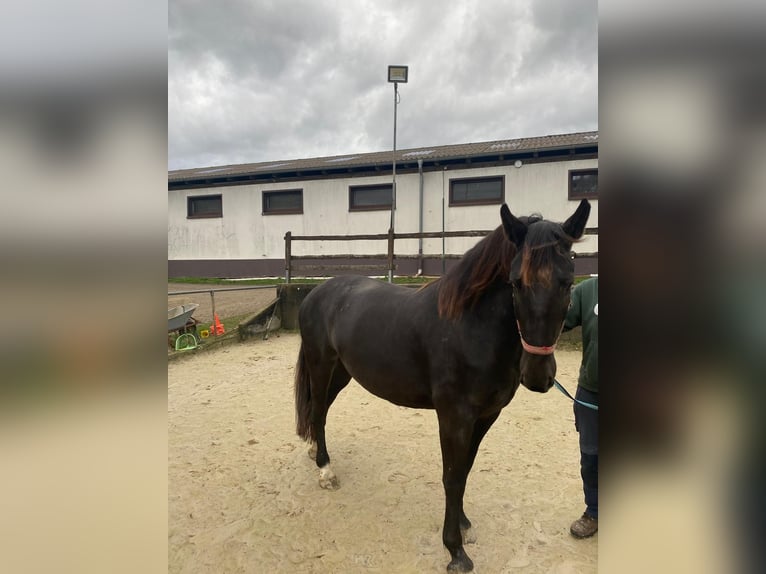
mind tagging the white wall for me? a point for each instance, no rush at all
(244, 233)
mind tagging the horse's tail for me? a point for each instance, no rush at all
(303, 425)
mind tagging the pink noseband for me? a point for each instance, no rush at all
(532, 349)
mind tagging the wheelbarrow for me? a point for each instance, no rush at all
(179, 318)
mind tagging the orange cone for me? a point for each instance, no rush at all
(219, 330)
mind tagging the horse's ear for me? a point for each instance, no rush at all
(515, 230)
(574, 227)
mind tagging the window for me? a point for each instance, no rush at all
(583, 184)
(370, 197)
(201, 206)
(477, 191)
(282, 202)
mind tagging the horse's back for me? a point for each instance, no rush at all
(348, 299)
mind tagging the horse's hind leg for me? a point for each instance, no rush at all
(322, 396)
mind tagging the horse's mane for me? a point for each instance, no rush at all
(490, 259)
(462, 285)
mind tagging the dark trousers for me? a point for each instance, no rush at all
(586, 423)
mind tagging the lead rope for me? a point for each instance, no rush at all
(579, 402)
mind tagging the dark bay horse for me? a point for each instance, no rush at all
(461, 345)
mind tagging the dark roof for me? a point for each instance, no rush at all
(354, 163)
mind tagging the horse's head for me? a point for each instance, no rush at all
(542, 273)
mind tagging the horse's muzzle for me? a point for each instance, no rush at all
(538, 372)
(538, 387)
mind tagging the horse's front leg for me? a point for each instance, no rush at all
(480, 429)
(455, 433)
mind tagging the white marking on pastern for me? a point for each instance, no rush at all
(327, 478)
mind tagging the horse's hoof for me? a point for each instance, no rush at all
(460, 564)
(327, 478)
(330, 483)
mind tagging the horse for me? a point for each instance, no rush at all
(460, 345)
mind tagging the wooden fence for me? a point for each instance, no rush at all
(293, 262)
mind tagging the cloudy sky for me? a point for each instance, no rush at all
(265, 80)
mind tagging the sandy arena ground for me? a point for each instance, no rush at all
(244, 495)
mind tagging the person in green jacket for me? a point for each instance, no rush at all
(583, 311)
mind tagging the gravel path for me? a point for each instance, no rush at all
(227, 304)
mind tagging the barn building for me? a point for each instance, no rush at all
(230, 221)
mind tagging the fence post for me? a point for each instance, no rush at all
(390, 255)
(212, 304)
(288, 256)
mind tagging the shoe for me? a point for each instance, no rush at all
(584, 527)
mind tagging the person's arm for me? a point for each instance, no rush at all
(574, 314)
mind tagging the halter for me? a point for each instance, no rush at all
(534, 350)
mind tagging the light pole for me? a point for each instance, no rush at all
(396, 74)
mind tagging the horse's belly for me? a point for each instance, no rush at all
(395, 396)
(411, 400)
(400, 388)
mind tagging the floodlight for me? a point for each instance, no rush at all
(397, 74)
